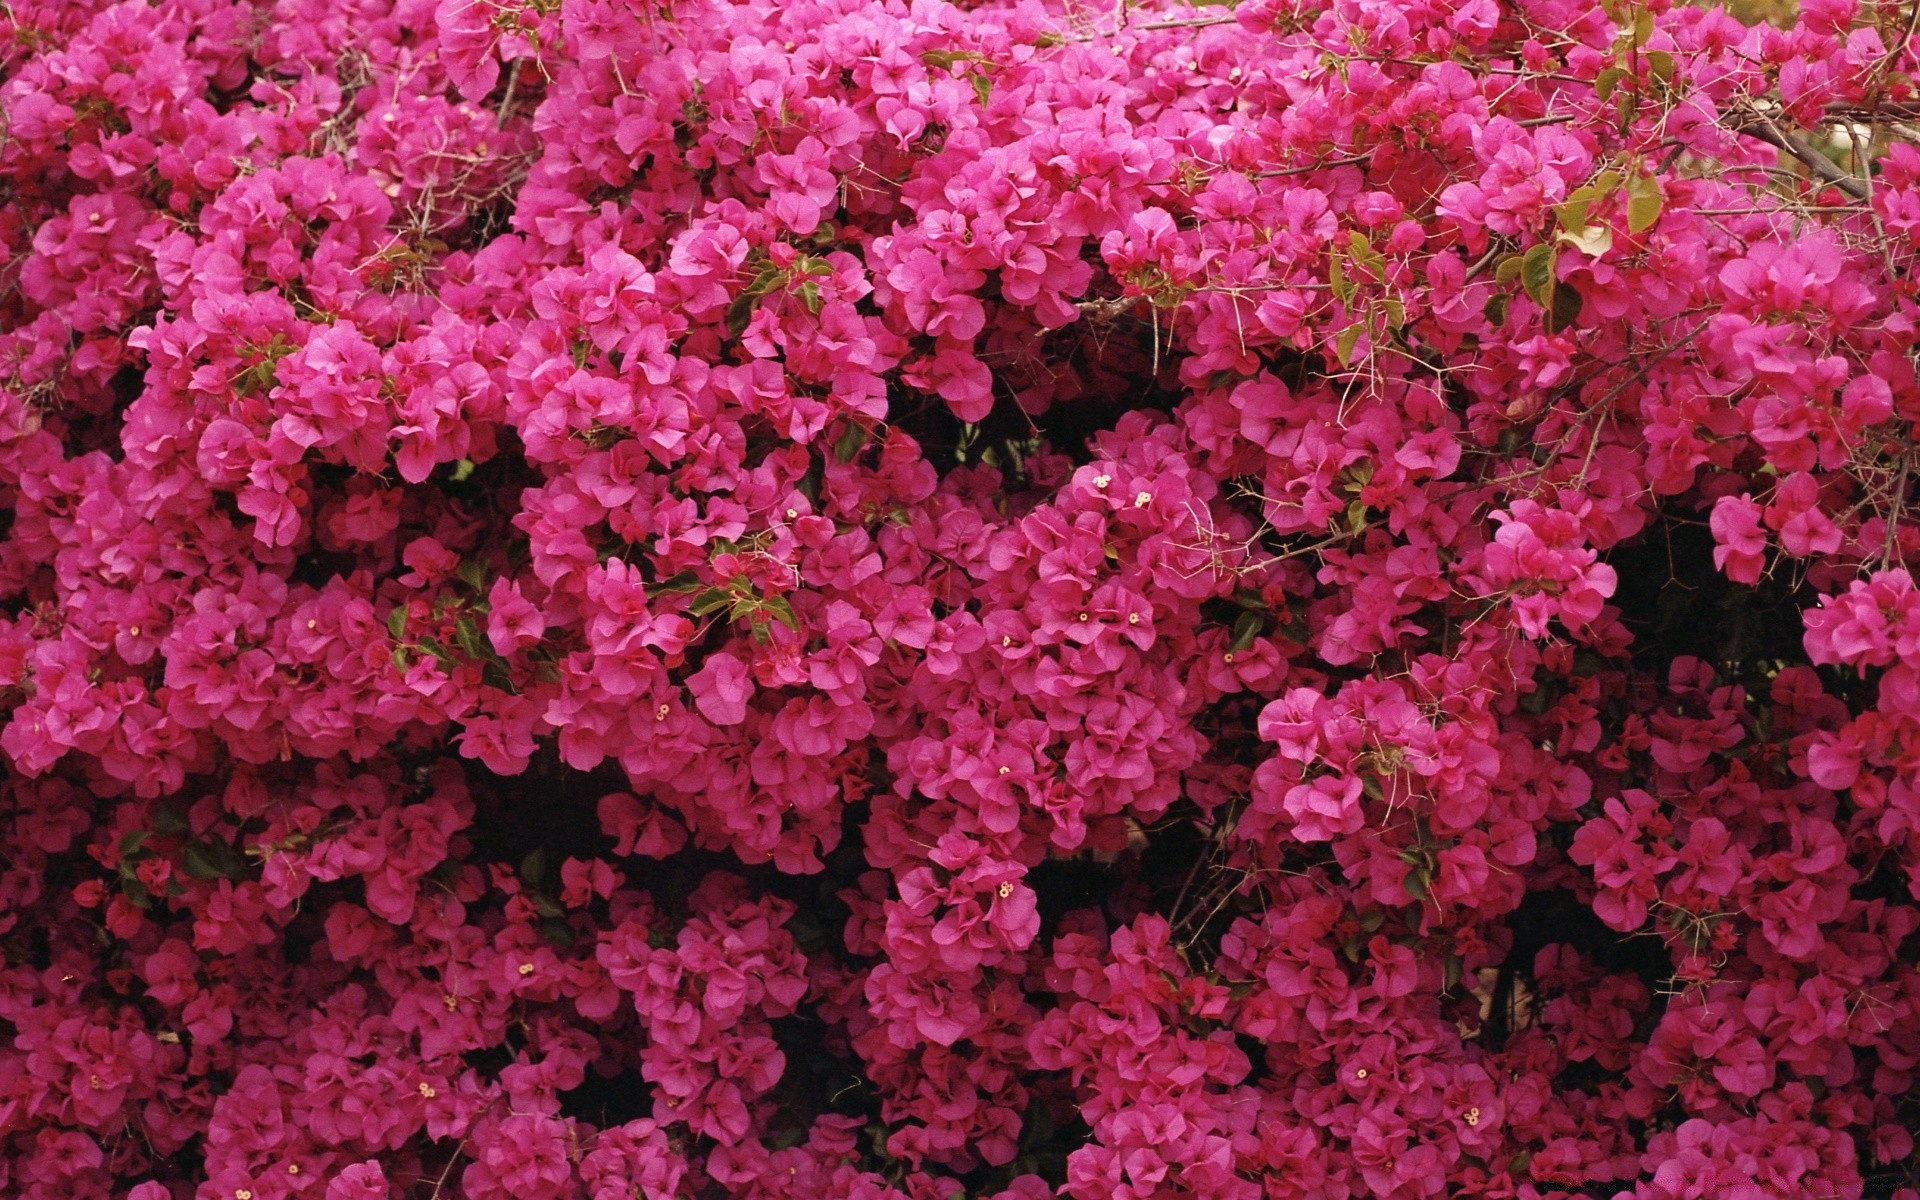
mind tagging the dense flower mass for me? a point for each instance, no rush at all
(901, 600)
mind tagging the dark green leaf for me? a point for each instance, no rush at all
(533, 868)
(496, 676)
(211, 860)
(1565, 311)
(709, 602)
(740, 314)
(850, 442)
(685, 581)
(1416, 883)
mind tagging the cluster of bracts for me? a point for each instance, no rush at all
(892, 601)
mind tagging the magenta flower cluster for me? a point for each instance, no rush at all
(901, 600)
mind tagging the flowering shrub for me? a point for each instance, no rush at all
(865, 599)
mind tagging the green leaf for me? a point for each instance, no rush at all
(1343, 289)
(768, 279)
(810, 296)
(1572, 212)
(466, 632)
(557, 933)
(1644, 201)
(136, 892)
(1537, 273)
(782, 610)
(131, 843)
(1662, 64)
(982, 86)
(167, 820)
(473, 573)
(1496, 309)
(1605, 83)
(946, 58)
(397, 621)
(1507, 269)
(462, 470)
(1345, 343)
(1246, 629)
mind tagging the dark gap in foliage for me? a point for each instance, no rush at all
(606, 1101)
(1113, 367)
(1559, 918)
(1061, 885)
(1677, 604)
(823, 1075)
(548, 807)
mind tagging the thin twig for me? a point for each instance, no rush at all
(1812, 159)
